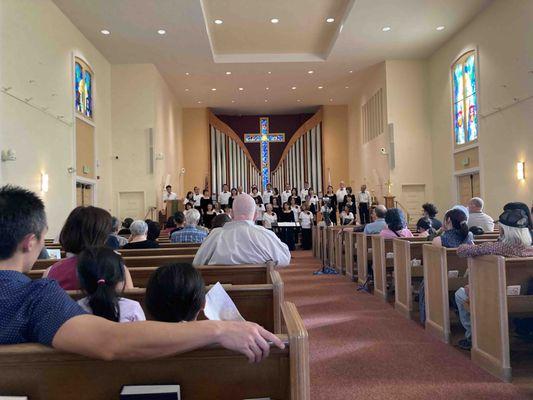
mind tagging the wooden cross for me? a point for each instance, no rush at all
(389, 185)
(264, 137)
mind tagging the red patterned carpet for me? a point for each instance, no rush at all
(362, 349)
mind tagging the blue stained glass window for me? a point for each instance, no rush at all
(465, 99)
(83, 87)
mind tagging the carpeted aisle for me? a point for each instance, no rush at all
(362, 349)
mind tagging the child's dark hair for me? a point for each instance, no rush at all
(459, 221)
(425, 224)
(175, 293)
(430, 209)
(394, 219)
(154, 229)
(100, 269)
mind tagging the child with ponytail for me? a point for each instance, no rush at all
(456, 230)
(101, 275)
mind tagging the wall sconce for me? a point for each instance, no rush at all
(44, 182)
(521, 171)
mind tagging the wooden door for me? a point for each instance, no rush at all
(468, 187)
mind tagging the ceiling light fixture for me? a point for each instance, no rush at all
(161, 31)
(266, 101)
(330, 99)
(269, 72)
(267, 88)
(386, 28)
(440, 27)
(293, 88)
(199, 102)
(346, 87)
(321, 87)
(233, 101)
(241, 89)
(350, 71)
(330, 20)
(228, 72)
(186, 90)
(187, 73)
(105, 32)
(274, 20)
(311, 72)
(218, 21)
(298, 100)
(214, 89)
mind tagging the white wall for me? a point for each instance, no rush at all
(136, 108)
(503, 36)
(37, 43)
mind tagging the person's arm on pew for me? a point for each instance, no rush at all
(99, 338)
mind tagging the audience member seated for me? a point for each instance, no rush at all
(101, 275)
(477, 217)
(114, 238)
(175, 293)
(241, 241)
(455, 228)
(220, 220)
(139, 237)
(430, 211)
(40, 311)
(396, 225)
(154, 230)
(126, 226)
(170, 225)
(179, 217)
(85, 227)
(425, 229)
(374, 228)
(525, 208)
(191, 233)
(515, 241)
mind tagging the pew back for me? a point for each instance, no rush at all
(135, 261)
(404, 252)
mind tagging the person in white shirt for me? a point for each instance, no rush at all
(168, 194)
(364, 200)
(241, 241)
(306, 221)
(295, 208)
(286, 194)
(305, 191)
(223, 197)
(313, 200)
(267, 194)
(259, 210)
(269, 217)
(340, 196)
(477, 217)
(197, 197)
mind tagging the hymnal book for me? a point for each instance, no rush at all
(150, 392)
(219, 306)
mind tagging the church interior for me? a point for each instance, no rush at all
(106, 103)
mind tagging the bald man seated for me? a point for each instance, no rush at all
(241, 241)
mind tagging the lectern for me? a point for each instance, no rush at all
(171, 207)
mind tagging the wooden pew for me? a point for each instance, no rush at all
(204, 374)
(349, 254)
(164, 251)
(406, 250)
(141, 261)
(438, 286)
(315, 237)
(380, 264)
(363, 245)
(161, 245)
(490, 307)
(257, 303)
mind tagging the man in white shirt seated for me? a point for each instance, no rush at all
(374, 228)
(241, 241)
(305, 191)
(223, 197)
(286, 194)
(168, 194)
(477, 217)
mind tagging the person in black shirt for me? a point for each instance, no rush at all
(205, 200)
(126, 226)
(234, 193)
(154, 229)
(331, 199)
(256, 196)
(139, 239)
(276, 205)
(294, 195)
(208, 216)
(430, 211)
(277, 196)
(287, 234)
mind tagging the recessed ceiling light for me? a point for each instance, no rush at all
(440, 27)
(187, 73)
(241, 89)
(274, 20)
(186, 90)
(293, 88)
(346, 87)
(161, 31)
(228, 72)
(266, 101)
(298, 100)
(269, 72)
(386, 28)
(233, 101)
(214, 89)
(330, 20)
(310, 71)
(321, 87)
(199, 102)
(330, 99)
(267, 88)
(105, 32)
(350, 71)
(218, 21)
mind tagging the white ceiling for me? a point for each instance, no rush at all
(193, 44)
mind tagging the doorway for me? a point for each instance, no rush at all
(468, 186)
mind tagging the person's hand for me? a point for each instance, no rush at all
(248, 338)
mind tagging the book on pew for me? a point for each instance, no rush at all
(219, 306)
(150, 392)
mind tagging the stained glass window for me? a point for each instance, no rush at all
(465, 121)
(83, 88)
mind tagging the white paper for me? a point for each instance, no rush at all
(219, 306)
(54, 253)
